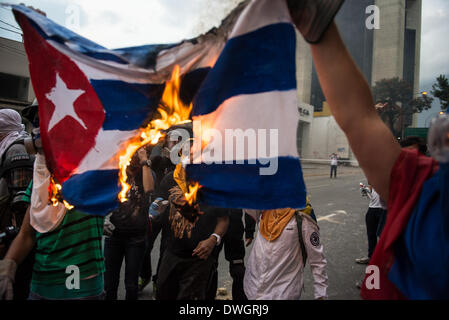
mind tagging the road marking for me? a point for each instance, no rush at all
(329, 217)
(341, 212)
(323, 185)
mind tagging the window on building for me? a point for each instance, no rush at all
(14, 87)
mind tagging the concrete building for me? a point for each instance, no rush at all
(304, 128)
(16, 91)
(391, 51)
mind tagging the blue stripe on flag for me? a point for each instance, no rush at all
(93, 192)
(127, 105)
(241, 186)
(259, 61)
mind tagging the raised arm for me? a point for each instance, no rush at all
(147, 176)
(352, 105)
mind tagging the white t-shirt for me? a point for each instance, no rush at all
(334, 161)
(375, 200)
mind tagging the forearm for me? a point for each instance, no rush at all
(20, 248)
(222, 226)
(147, 179)
(23, 243)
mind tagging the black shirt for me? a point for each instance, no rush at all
(203, 228)
(131, 218)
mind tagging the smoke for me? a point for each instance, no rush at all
(211, 13)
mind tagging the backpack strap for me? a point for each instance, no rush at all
(301, 238)
(19, 141)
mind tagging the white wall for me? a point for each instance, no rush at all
(326, 138)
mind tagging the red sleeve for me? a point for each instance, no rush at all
(409, 173)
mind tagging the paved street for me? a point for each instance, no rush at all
(340, 210)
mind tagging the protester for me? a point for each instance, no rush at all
(188, 262)
(334, 165)
(131, 227)
(161, 166)
(234, 248)
(164, 168)
(375, 218)
(292, 238)
(16, 172)
(63, 239)
(16, 166)
(410, 264)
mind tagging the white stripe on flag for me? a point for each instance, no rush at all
(103, 156)
(259, 14)
(269, 110)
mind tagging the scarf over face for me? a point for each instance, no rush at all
(273, 222)
(11, 128)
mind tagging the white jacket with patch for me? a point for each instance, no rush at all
(275, 270)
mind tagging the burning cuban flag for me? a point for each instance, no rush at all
(97, 107)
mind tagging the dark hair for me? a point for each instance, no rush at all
(420, 142)
(134, 170)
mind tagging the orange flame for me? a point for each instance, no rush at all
(191, 195)
(55, 195)
(172, 112)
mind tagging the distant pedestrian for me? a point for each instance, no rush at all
(375, 219)
(334, 165)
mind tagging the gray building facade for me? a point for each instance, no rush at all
(388, 52)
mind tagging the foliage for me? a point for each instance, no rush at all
(441, 91)
(396, 103)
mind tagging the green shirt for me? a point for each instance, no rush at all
(77, 241)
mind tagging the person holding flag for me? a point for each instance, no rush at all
(407, 263)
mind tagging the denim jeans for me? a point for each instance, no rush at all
(115, 249)
(333, 171)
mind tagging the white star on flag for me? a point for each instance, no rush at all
(63, 99)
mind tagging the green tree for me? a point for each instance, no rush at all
(396, 103)
(441, 91)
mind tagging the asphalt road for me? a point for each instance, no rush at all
(340, 210)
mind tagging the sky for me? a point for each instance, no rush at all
(118, 23)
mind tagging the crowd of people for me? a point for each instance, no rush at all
(45, 240)
(192, 238)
